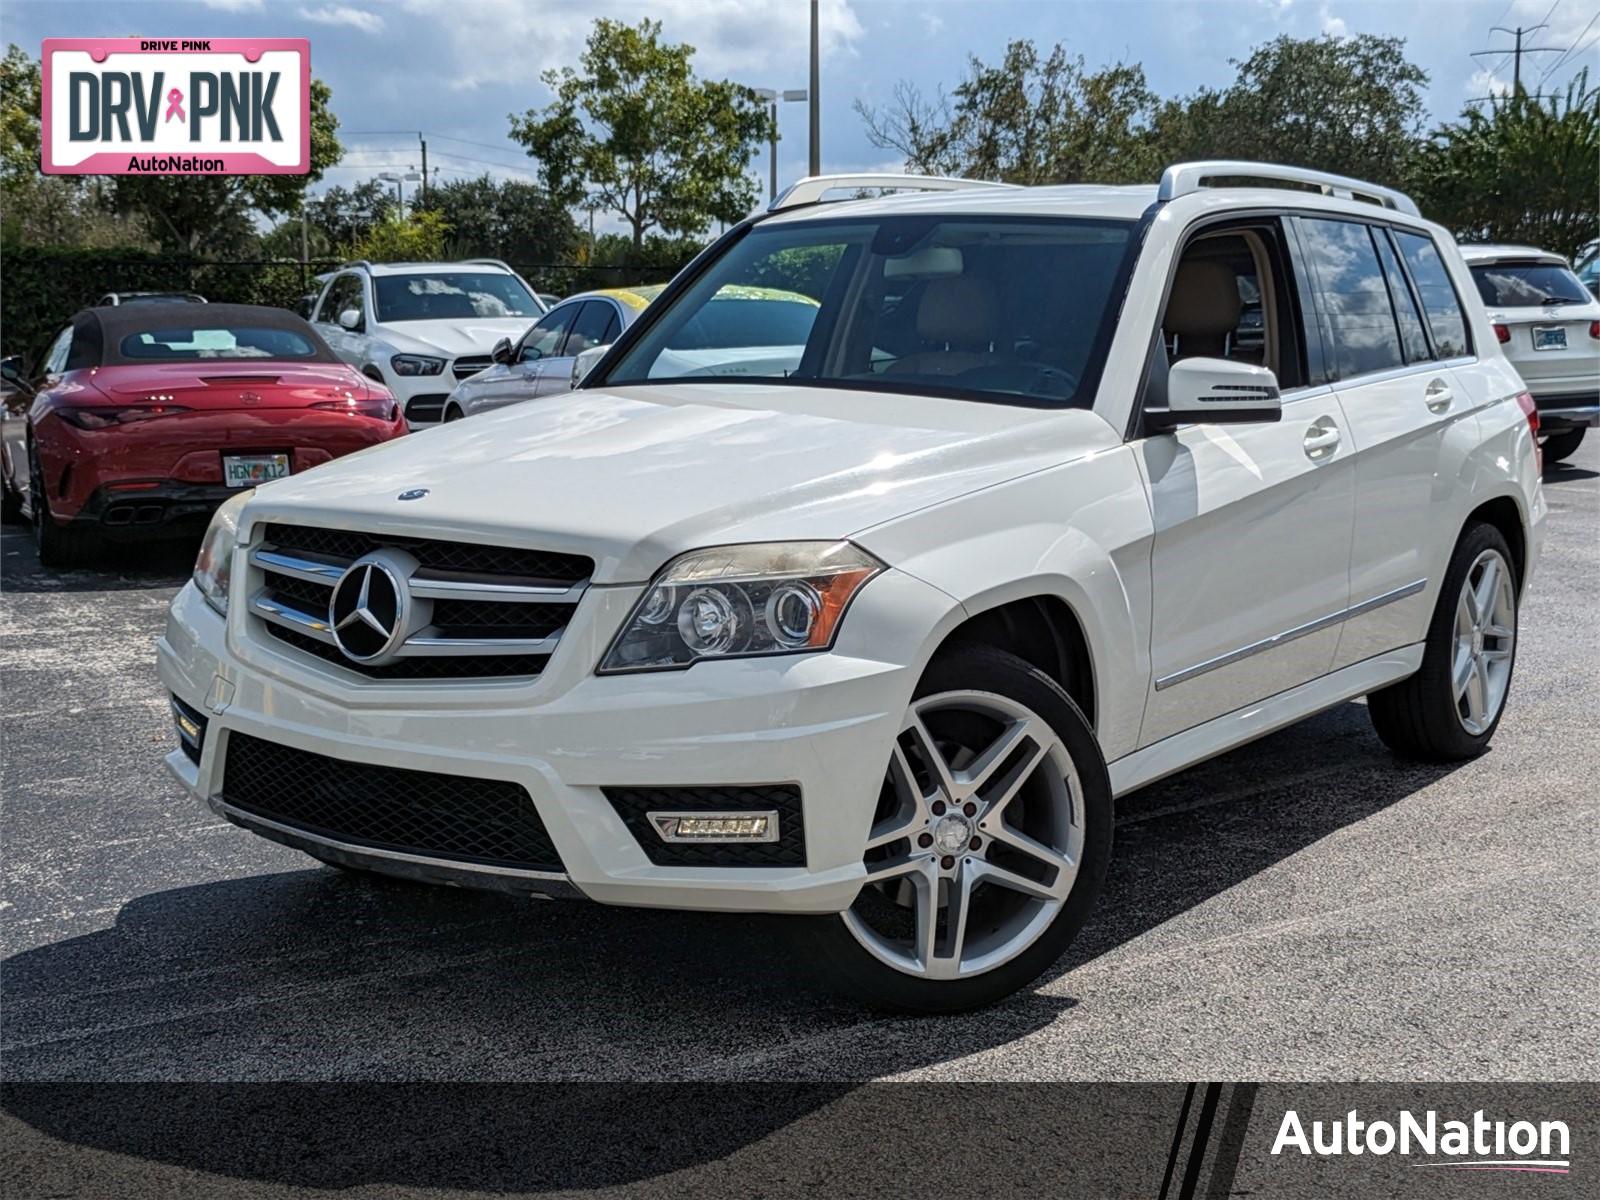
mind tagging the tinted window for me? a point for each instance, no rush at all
(55, 358)
(974, 306)
(1412, 339)
(344, 292)
(1528, 285)
(1439, 299)
(451, 295)
(590, 329)
(179, 342)
(1353, 298)
(545, 338)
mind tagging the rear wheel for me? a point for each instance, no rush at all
(59, 545)
(452, 414)
(989, 844)
(1451, 707)
(1562, 445)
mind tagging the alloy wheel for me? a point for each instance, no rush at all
(977, 840)
(1485, 636)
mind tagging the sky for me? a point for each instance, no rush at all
(453, 70)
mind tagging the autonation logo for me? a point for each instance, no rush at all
(1479, 1144)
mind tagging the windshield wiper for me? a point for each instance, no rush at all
(1558, 300)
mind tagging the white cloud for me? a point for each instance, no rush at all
(343, 14)
(1485, 82)
(1332, 25)
(933, 23)
(234, 5)
(759, 42)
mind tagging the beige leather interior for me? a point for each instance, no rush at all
(1203, 308)
(960, 313)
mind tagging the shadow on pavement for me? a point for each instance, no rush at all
(115, 568)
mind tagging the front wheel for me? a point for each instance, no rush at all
(1451, 707)
(452, 414)
(989, 844)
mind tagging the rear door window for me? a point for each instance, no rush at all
(1412, 339)
(1357, 319)
(592, 327)
(1439, 300)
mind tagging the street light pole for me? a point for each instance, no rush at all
(816, 97)
(772, 96)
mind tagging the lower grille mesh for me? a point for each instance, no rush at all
(451, 817)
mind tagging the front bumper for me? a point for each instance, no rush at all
(824, 722)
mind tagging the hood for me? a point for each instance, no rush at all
(454, 337)
(634, 476)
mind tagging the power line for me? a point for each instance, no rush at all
(1577, 48)
(1518, 50)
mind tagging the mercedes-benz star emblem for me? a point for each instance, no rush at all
(413, 493)
(366, 610)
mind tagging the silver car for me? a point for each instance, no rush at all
(540, 362)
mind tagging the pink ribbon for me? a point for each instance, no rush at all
(175, 105)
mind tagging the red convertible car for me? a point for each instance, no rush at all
(142, 418)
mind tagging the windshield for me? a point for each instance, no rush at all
(1521, 285)
(1013, 309)
(447, 295)
(183, 342)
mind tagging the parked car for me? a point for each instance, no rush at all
(1587, 269)
(874, 629)
(145, 417)
(1549, 326)
(548, 299)
(112, 299)
(553, 355)
(418, 328)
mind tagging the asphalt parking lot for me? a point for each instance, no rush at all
(1304, 908)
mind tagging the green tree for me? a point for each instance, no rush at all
(19, 115)
(636, 133)
(1350, 105)
(414, 237)
(343, 216)
(1029, 119)
(515, 221)
(1522, 172)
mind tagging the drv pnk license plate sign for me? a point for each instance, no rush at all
(170, 106)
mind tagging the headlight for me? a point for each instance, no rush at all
(740, 602)
(215, 561)
(416, 364)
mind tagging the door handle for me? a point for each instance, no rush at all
(1321, 439)
(1437, 396)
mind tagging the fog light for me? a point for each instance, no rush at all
(716, 826)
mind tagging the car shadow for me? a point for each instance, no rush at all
(321, 975)
(115, 568)
(1566, 472)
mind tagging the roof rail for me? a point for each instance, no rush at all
(355, 262)
(811, 189)
(1180, 179)
(493, 262)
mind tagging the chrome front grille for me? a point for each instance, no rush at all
(470, 364)
(468, 610)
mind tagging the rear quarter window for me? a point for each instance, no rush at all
(1440, 304)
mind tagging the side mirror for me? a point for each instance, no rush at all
(11, 369)
(501, 352)
(1216, 391)
(585, 362)
(350, 319)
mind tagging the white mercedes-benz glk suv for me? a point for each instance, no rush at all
(1063, 490)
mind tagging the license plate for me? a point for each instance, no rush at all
(247, 470)
(1549, 337)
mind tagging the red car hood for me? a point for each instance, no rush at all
(231, 384)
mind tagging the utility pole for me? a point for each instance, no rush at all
(772, 96)
(816, 96)
(424, 142)
(1515, 53)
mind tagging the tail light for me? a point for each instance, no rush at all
(1531, 411)
(1502, 334)
(104, 418)
(380, 408)
(1594, 329)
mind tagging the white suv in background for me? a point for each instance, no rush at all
(418, 328)
(1549, 326)
(1063, 490)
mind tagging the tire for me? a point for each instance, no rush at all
(1051, 777)
(60, 546)
(10, 503)
(452, 414)
(1432, 716)
(1562, 445)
